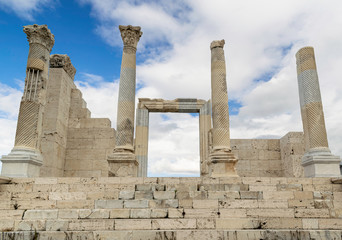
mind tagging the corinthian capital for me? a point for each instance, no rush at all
(63, 61)
(40, 34)
(130, 36)
(215, 44)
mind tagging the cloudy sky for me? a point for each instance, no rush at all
(173, 61)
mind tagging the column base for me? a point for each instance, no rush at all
(21, 162)
(222, 164)
(322, 164)
(122, 164)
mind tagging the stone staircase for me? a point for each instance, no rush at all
(170, 208)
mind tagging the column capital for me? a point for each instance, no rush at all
(130, 36)
(40, 34)
(217, 44)
(63, 61)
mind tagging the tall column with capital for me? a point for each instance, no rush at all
(317, 160)
(25, 159)
(123, 161)
(222, 160)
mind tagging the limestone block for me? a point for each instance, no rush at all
(326, 195)
(167, 235)
(280, 212)
(199, 235)
(170, 203)
(133, 224)
(159, 213)
(233, 213)
(91, 225)
(213, 204)
(289, 187)
(173, 224)
(311, 213)
(67, 196)
(297, 203)
(68, 213)
(270, 188)
(250, 194)
(140, 213)
(57, 225)
(143, 195)
(40, 214)
(281, 223)
(237, 223)
(185, 203)
(206, 223)
(11, 214)
(238, 203)
(136, 203)
(303, 195)
(330, 224)
(223, 195)
(119, 213)
(273, 203)
(75, 204)
(163, 195)
(29, 225)
(93, 213)
(278, 195)
(108, 203)
(6, 225)
(318, 204)
(125, 195)
(201, 213)
(310, 223)
(236, 187)
(35, 204)
(110, 235)
(175, 213)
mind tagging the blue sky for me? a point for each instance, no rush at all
(173, 61)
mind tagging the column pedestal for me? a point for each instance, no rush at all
(222, 164)
(22, 162)
(122, 164)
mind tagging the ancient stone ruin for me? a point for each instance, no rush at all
(70, 176)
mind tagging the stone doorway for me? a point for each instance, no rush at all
(179, 105)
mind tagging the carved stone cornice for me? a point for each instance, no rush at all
(130, 36)
(40, 34)
(63, 61)
(218, 43)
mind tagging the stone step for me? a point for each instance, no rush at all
(176, 235)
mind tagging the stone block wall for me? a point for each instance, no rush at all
(74, 144)
(292, 150)
(258, 157)
(55, 122)
(171, 208)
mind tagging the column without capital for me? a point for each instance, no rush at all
(317, 160)
(222, 160)
(123, 161)
(25, 158)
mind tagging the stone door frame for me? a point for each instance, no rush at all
(179, 105)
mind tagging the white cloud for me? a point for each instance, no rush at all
(25, 9)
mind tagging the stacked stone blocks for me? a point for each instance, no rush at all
(179, 207)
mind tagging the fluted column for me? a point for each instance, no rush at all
(222, 161)
(123, 156)
(317, 160)
(25, 158)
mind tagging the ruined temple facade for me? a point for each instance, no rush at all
(57, 137)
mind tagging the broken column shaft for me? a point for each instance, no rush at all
(25, 159)
(317, 160)
(222, 161)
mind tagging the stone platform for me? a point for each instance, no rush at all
(171, 208)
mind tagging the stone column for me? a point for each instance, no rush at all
(205, 126)
(222, 161)
(25, 159)
(124, 151)
(317, 160)
(141, 140)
